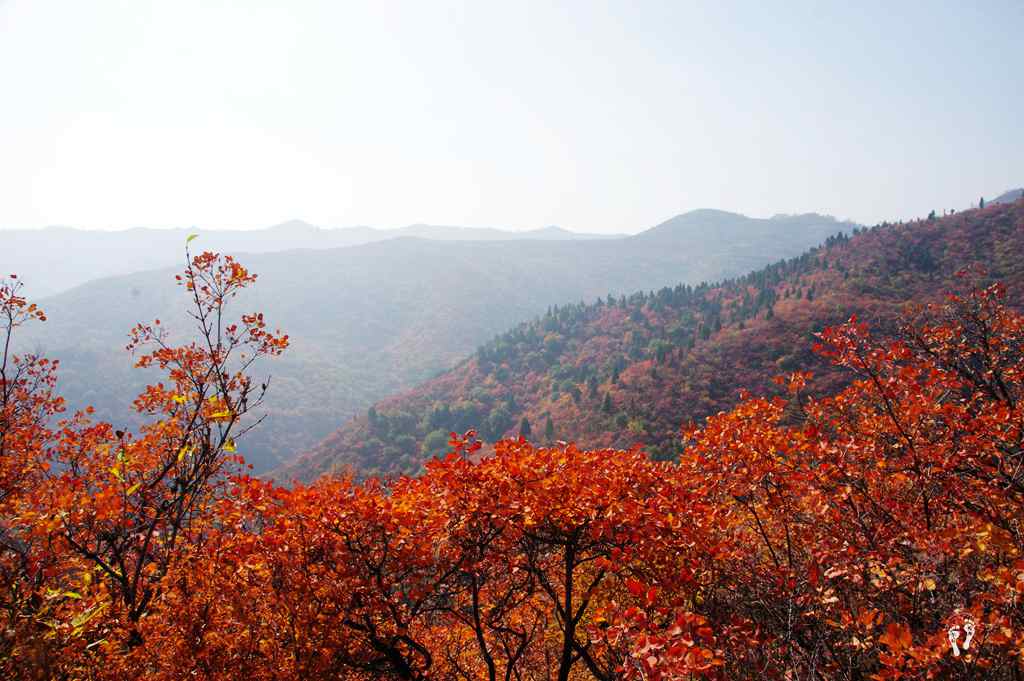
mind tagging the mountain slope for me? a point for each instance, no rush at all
(634, 369)
(370, 320)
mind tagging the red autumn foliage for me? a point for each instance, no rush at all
(94, 520)
(849, 536)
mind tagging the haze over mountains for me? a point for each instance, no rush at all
(369, 320)
(635, 369)
(55, 259)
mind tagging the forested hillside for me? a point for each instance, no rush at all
(635, 368)
(368, 321)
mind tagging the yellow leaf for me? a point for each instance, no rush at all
(182, 453)
(134, 488)
(191, 237)
(929, 584)
(116, 473)
(229, 445)
(84, 617)
(223, 414)
(179, 399)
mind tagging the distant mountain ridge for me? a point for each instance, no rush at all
(731, 226)
(370, 320)
(635, 368)
(56, 259)
(1009, 196)
(448, 233)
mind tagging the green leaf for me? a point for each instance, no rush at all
(190, 237)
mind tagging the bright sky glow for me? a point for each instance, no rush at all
(593, 116)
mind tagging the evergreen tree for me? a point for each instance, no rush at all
(981, 202)
(524, 428)
(606, 405)
(549, 430)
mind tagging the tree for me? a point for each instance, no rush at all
(434, 443)
(28, 566)
(524, 427)
(117, 513)
(549, 429)
(499, 420)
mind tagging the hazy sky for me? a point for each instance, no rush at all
(592, 116)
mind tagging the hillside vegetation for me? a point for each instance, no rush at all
(371, 320)
(869, 533)
(634, 369)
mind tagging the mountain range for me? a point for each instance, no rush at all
(56, 259)
(634, 369)
(370, 320)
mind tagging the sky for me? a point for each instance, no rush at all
(599, 117)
